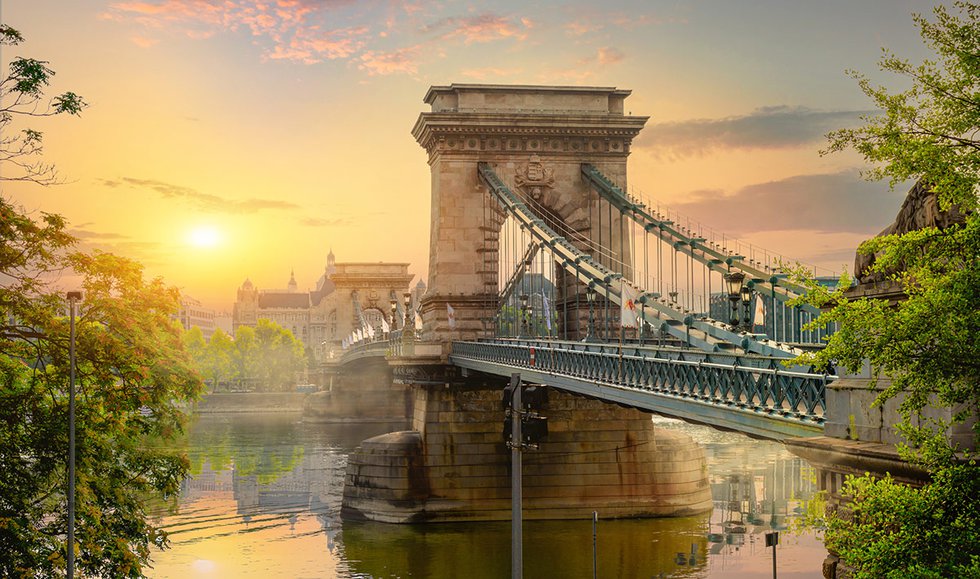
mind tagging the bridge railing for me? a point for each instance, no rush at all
(718, 379)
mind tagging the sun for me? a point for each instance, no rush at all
(204, 237)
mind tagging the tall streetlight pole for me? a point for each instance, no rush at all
(73, 297)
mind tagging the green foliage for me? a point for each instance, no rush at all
(133, 378)
(21, 95)
(280, 355)
(928, 344)
(929, 131)
(896, 531)
(268, 355)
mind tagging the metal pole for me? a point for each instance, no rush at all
(595, 564)
(517, 538)
(72, 297)
(774, 561)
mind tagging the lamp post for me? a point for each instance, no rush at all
(73, 297)
(531, 326)
(590, 297)
(522, 317)
(746, 296)
(408, 330)
(394, 314)
(734, 282)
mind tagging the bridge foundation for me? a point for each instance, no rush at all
(454, 465)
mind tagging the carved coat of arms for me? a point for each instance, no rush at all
(532, 177)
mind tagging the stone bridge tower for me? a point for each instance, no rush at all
(536, 138)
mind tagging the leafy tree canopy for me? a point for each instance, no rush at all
(134, 376)
(22, 97)
(928, 344)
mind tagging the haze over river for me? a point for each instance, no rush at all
(264, 501)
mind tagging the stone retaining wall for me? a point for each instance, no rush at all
(251, 402)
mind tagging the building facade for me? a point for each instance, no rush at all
(347, 296)
(193, 313)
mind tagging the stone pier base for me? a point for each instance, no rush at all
(454, 465)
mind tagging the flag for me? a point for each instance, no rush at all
(385, 328)
(452, 316)
(343, 343)
(630, 306)
(370, 331)
(418, 322)
(360, 335)
(547, 312)
(759, 319)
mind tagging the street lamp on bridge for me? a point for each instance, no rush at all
(590, 297)
(394, 314)
(734, 281)
(522, 317)
(408, 330)
(746, 296)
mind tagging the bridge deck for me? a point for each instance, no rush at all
(763, 400)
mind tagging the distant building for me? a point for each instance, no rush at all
(192, 313)
(347, 296)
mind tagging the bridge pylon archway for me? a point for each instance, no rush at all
(536, 138)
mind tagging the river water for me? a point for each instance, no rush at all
(264, 501)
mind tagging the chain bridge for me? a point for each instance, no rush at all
(536, 248)
(542, 264)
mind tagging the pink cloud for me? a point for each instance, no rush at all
(143, 41)
(608, 55)
(402, 60)
(582, 27)
(481, 28)
(290, 29)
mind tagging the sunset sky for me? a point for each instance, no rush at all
(228, 139)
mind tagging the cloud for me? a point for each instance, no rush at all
(632, 20)
(398, 61)
(301, 30)
(607, 55)
(485, 27)
(143, 41)
(312, 46)
(582, 27)
(776, 127)
(203, 201)
(830, 202)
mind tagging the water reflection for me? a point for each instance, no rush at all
(264, 501)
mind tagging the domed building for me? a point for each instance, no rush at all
(347, 296)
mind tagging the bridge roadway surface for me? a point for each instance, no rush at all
(756, 396)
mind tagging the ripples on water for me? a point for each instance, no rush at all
(264, 501)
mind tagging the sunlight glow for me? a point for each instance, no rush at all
(204, 237)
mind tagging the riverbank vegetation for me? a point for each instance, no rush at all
(926, 348)
(266, 358)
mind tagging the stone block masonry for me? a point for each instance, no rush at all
(454, 466)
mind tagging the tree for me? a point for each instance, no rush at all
(280, 355)
(928, 344)
(218, 357)
(21, 96)
(245, 356)
(133, 376)
(212, 358)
